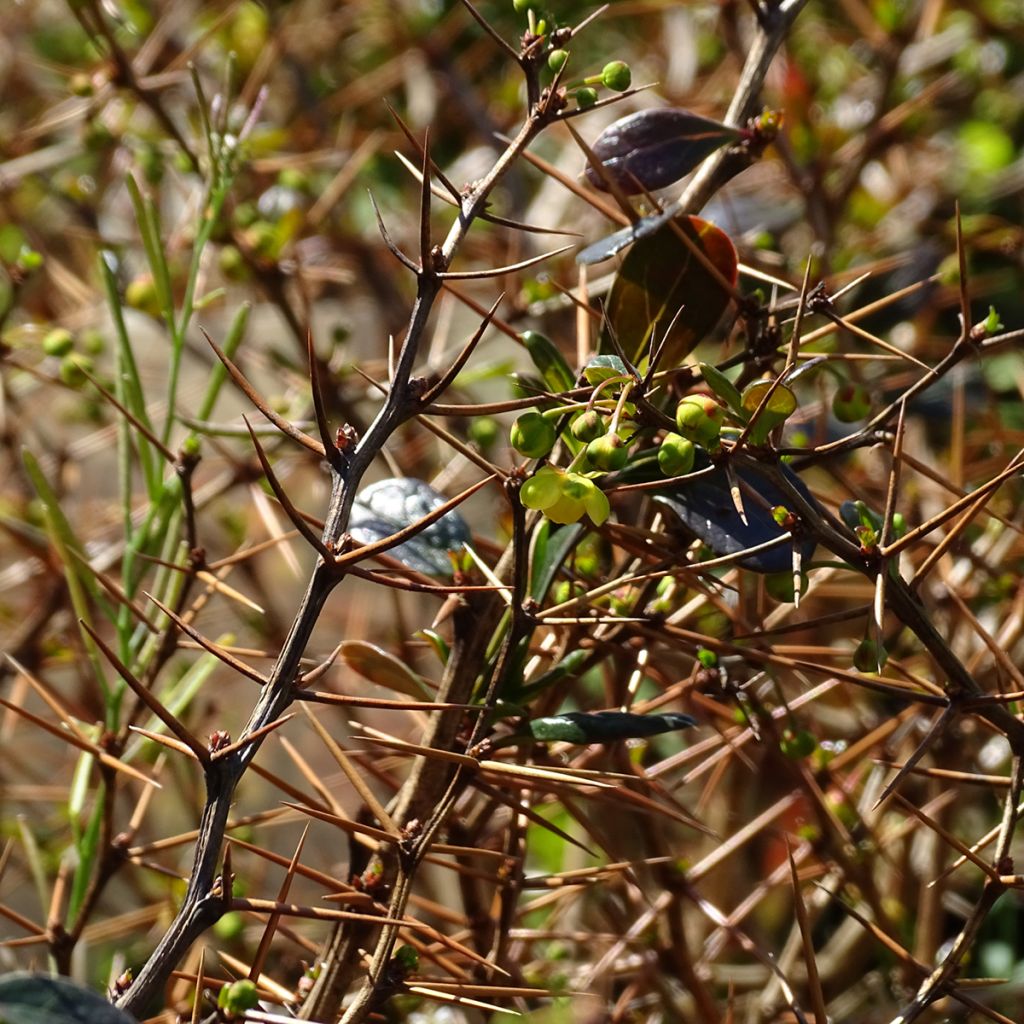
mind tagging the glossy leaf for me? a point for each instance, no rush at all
(384, 669)
(548, 550)
(705, 507)
(605, 726)
(384, 508)
(39, 999)
(659, 278)
(551, 363)
(654, 148)
(722, 386)
(604, 367)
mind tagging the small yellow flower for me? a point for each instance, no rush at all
(564, 497)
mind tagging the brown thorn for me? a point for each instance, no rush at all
(473, 275)
(463, 357)
(131, 418)
(252, 737)
(148, 698)
(286, 428)
(291, 511)
(394, 250)
(610, 184)
(319, 410)
(208, 645)
(486, 26)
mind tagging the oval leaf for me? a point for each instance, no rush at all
(605, 726)
(39, 999)
(654, 148)
(705, 507)
(388, 506)
(660, 278)
(384, 669)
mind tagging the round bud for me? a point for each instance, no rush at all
(238, 997)
(141, 294)
(73, 368)
(797, 743)
(522, 6)
(588, 426)
(58, 342)
(699, 418)
(851, 403)
(586, 97)
(483, 430)
(532, 435)
(616, 76)
(557, 59)
(675, 455)
(608, 453)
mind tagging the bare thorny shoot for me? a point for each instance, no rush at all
(473, 792)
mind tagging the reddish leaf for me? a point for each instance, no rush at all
(661, 276)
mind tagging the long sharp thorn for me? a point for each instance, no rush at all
(472, 275)
(131, 418)
(486, 26)
(208, 645)
(425, 257)
(150, 700)
(934, 730)
(393, 249)
(319, 411)
(292, 512)
(456, 196)
(274, 919)
(456, 368)
(286, 428)
(961, 258)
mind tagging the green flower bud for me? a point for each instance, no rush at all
(707, 659)
(851, 403)
(522, 6)
(585, 97)
(616, 76)
(229, 927)
(608, 453)
(58, 342)
(797, 743)
(407, 958)
(532, 435)
(239, 996)
(675, 455)
(557, 59)
(588, 426)
(992, 323)
(699, 418)
(93, 342)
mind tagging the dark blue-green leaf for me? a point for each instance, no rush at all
(605, 726)
(705, 507)
(384, 508)
(39, 999)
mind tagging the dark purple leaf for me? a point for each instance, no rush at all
(654, 148)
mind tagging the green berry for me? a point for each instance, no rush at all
(141, 294)
(58, 342)
(699, 418)
(532, 435)
(608, 453)
(73, 368)
(522, 6)
(797, 743)
(870, 656)
(229, 927)
(557, 59)
(483, 430)
(239, 996)
(616, 76)
(851, 403)
(675, 455)
(586, 97)
(588, 426)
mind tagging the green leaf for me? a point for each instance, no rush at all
(549, 361)
(39, 999)
(602, 368)
(384, 669)
(660, 278)
(722, 386)
(605, 726)
(547, 555)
